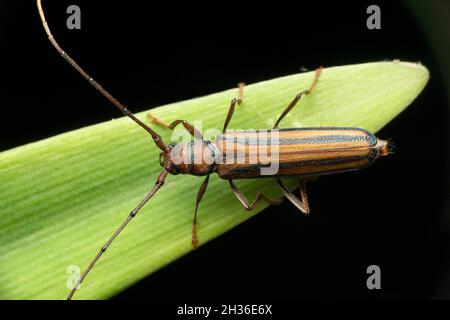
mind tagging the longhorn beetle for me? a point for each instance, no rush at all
(303, 152)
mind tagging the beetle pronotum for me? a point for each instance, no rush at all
(303, 152)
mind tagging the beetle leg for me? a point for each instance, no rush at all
(200, 194)
(302, 204)
(294, 102)
(259, 196)
(152, 119)
(241, 86)
(186, 124)
(233, 103)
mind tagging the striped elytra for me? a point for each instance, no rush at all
(301, 151)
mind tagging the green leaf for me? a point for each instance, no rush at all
(61, 198)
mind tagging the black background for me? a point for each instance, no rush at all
(394, 215)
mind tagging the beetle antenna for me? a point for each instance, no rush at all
(156, 138)
(162, 176)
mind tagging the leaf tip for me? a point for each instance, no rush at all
(417, 67)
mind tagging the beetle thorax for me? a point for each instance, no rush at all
(197, 158)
